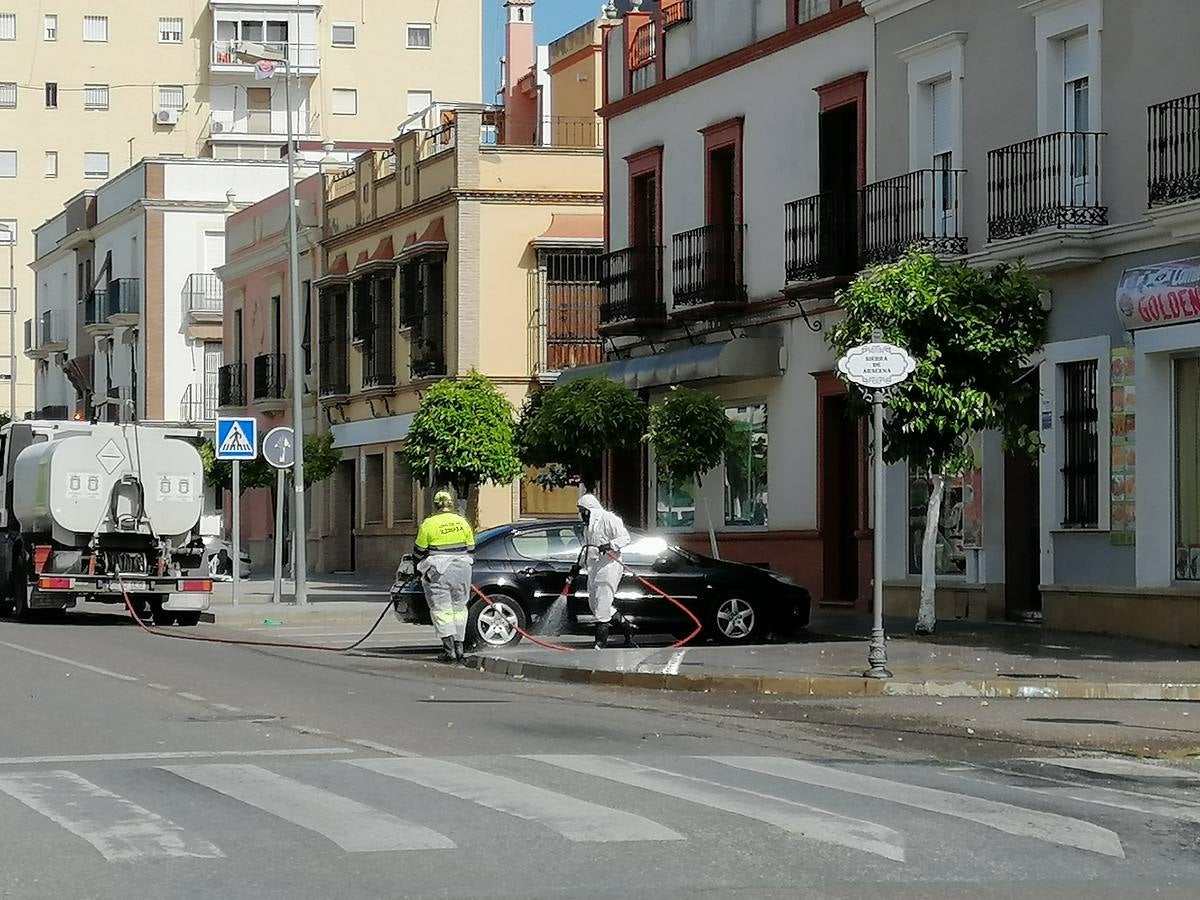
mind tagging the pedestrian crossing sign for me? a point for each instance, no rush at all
(237, 438)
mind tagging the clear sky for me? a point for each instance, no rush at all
(552, 19)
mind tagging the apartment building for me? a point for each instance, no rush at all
(1036, 131)
(87, 90)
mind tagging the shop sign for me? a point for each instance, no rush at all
(1162, 294)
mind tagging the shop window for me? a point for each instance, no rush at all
(403, 494)
(1187, 472)
(373, 489)
(539, 502)
(746, 467)
(1081, 446)
(674, 502)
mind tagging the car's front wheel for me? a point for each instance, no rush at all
(735, 620)
(494, 625)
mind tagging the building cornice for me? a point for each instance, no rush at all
(882, 10)
(933, 45)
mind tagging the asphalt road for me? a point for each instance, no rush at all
(140, 767)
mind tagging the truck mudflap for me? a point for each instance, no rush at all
(105, 585)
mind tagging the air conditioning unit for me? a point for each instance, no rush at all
(167, 117)
(218, 127)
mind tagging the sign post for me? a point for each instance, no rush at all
(876, 367)
(279, 449)
(237, 441)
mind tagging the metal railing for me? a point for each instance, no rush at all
(631, 282)
(231, 385)
(1053, 181)
(29, 344)
(203, 292)
(568, 132)
(918, 210)
(333, 367)
(642, 54)
(93, 308)
(269, 376)
(1173, 139)
(302, 56)
(676, 13)
(565, 299)
(821, 235)
(199, 403)
(51, 329)
(123, 297)
(379, 354)
(707, 265)
(427, 342)
(1081, 468)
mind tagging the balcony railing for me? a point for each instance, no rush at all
(199, 403)
(231, 385)
(123, 297)
(379, 354)
(919, 210)
(569, 132)
(203, 294)
(29, 335)
(642, 54)
(93, 308)
(300, 56)
(334, 371)
(565, 300)
(1053, 181)
(427, 343)
(1174, 151)
(707, 265)
(676, 13)
(631, 280)
(821, 235)
(269, 376)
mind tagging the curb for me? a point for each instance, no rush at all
(285, 614)
(842, 685)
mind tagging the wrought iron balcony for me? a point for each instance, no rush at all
(564, 315)
(642, 54)
(919, 210)
(379, 355)
(199, 403)
(231, 385)
(1174, 151)
(821, 237)
(707, 266)
(30, 344)
(203, 297)
(676, 12)
(123, 301)
(632, 284)
(269, 376)
(427, 347)
(224, 56)
(1053, 181)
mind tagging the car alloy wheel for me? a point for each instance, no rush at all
(735, 619)
(497, 623)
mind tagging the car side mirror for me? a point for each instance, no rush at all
(664, 564)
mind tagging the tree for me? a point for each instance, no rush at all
(466, 428)
(254, 474)
(690, 432)
(567, 428)
(972, 332)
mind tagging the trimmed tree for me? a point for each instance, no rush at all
(465, 428)
(972, 332)
(689, 432)
(566, 428)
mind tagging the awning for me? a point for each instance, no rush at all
(432, 240)
(1163, 294)
(567, 229)
(739, 358)
(371, 431)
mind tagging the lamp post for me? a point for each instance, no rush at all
(8, 236)
(257, 53)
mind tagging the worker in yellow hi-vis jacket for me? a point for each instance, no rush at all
(444, 546)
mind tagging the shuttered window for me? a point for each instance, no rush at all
(95, 96)
(1081, 446)
(8, 26)
(95, 28)
(8, 95)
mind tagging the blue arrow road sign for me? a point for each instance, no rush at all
(237, 438)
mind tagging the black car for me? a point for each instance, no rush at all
(522, 569)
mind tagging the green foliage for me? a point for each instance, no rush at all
(568, 427)
(320, 462)
(971, 332)
(466, 426)
(320, 459)
(689, 432)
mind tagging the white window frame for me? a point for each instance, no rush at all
(166, 29)
(8, 92)
(7, 225)
(50, 28)
(98, 21)
(7, 154)
(344, 92)
(334, 42)
(408, 101)
(428, 26)
(181, 93)
(93, 172)
(1054, 21)
(51, 167)
(96, 92)
(8, 18)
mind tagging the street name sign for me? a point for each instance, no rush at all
(279, 447)
(237, 438)
(876, 365)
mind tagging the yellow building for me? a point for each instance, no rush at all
(87, 90)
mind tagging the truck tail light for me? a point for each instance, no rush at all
(55, 584)
(198, 586)
(41, 556)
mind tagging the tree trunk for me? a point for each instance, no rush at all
(712, 533)
(927, 613)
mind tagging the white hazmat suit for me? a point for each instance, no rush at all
(603, 529)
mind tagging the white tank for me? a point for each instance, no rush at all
(65, 486)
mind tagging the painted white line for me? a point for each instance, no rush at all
(380, 748)
(193, 697)
(160, 687)
(673, 664)
(68, 662)
(1128, 767)
(225, 707)
(120, 830)
(353, 826)
(167, 754)
(1047, 827)
(576, 820)
(795, 818)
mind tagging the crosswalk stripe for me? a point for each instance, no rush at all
(353, 826)
(574, 819)
(1128, 767)
(795, 818)
(122, 831)
(1004, 817)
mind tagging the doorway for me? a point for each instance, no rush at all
(839, 177)
(840, 500)
(1022, 529)
(258, 110)
(345, 515)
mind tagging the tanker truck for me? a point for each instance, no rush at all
(93, 510)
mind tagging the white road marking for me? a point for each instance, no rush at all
(379, 748)
(69, 662)
(576, 820)
(120, 830)
(673, 664)
(225, 707)
(1128, 767)
(196, 698)
(353, 826)
(795, 818)
(159, 687)
(1048, 827)
(167, 754)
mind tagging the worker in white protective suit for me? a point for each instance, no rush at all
(604, 535)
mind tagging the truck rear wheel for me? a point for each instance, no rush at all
(162, 617)
(188, 619)
(18, 587)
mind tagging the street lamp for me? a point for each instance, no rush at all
(258, 53)
(8, 236)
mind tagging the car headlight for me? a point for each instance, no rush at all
(785, 580)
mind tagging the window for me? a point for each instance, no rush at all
(8, 232)
(419, 101)
(8, 26)
(8, 95)
(306, 339)
(51, 163)
(541, 502)
(8, 163)
(559, 542)
(674, 502)
(941, 137)
(807, 10)
(373, 489)
(51, 95)
(50, 28)
(1187, 469)
(402, 490)
(95, 96)
(344, 34)
(1081, 445)
(746, 467)
(95, 28)
(170, 30)
(95, 165)
(1076, 118)
(345, 102)
(420, 36)
(170, 96)
(277, 33)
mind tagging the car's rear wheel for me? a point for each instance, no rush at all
(495, 625)
(735, 620)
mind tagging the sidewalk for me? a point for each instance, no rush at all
(961, 660)
(331, 599)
